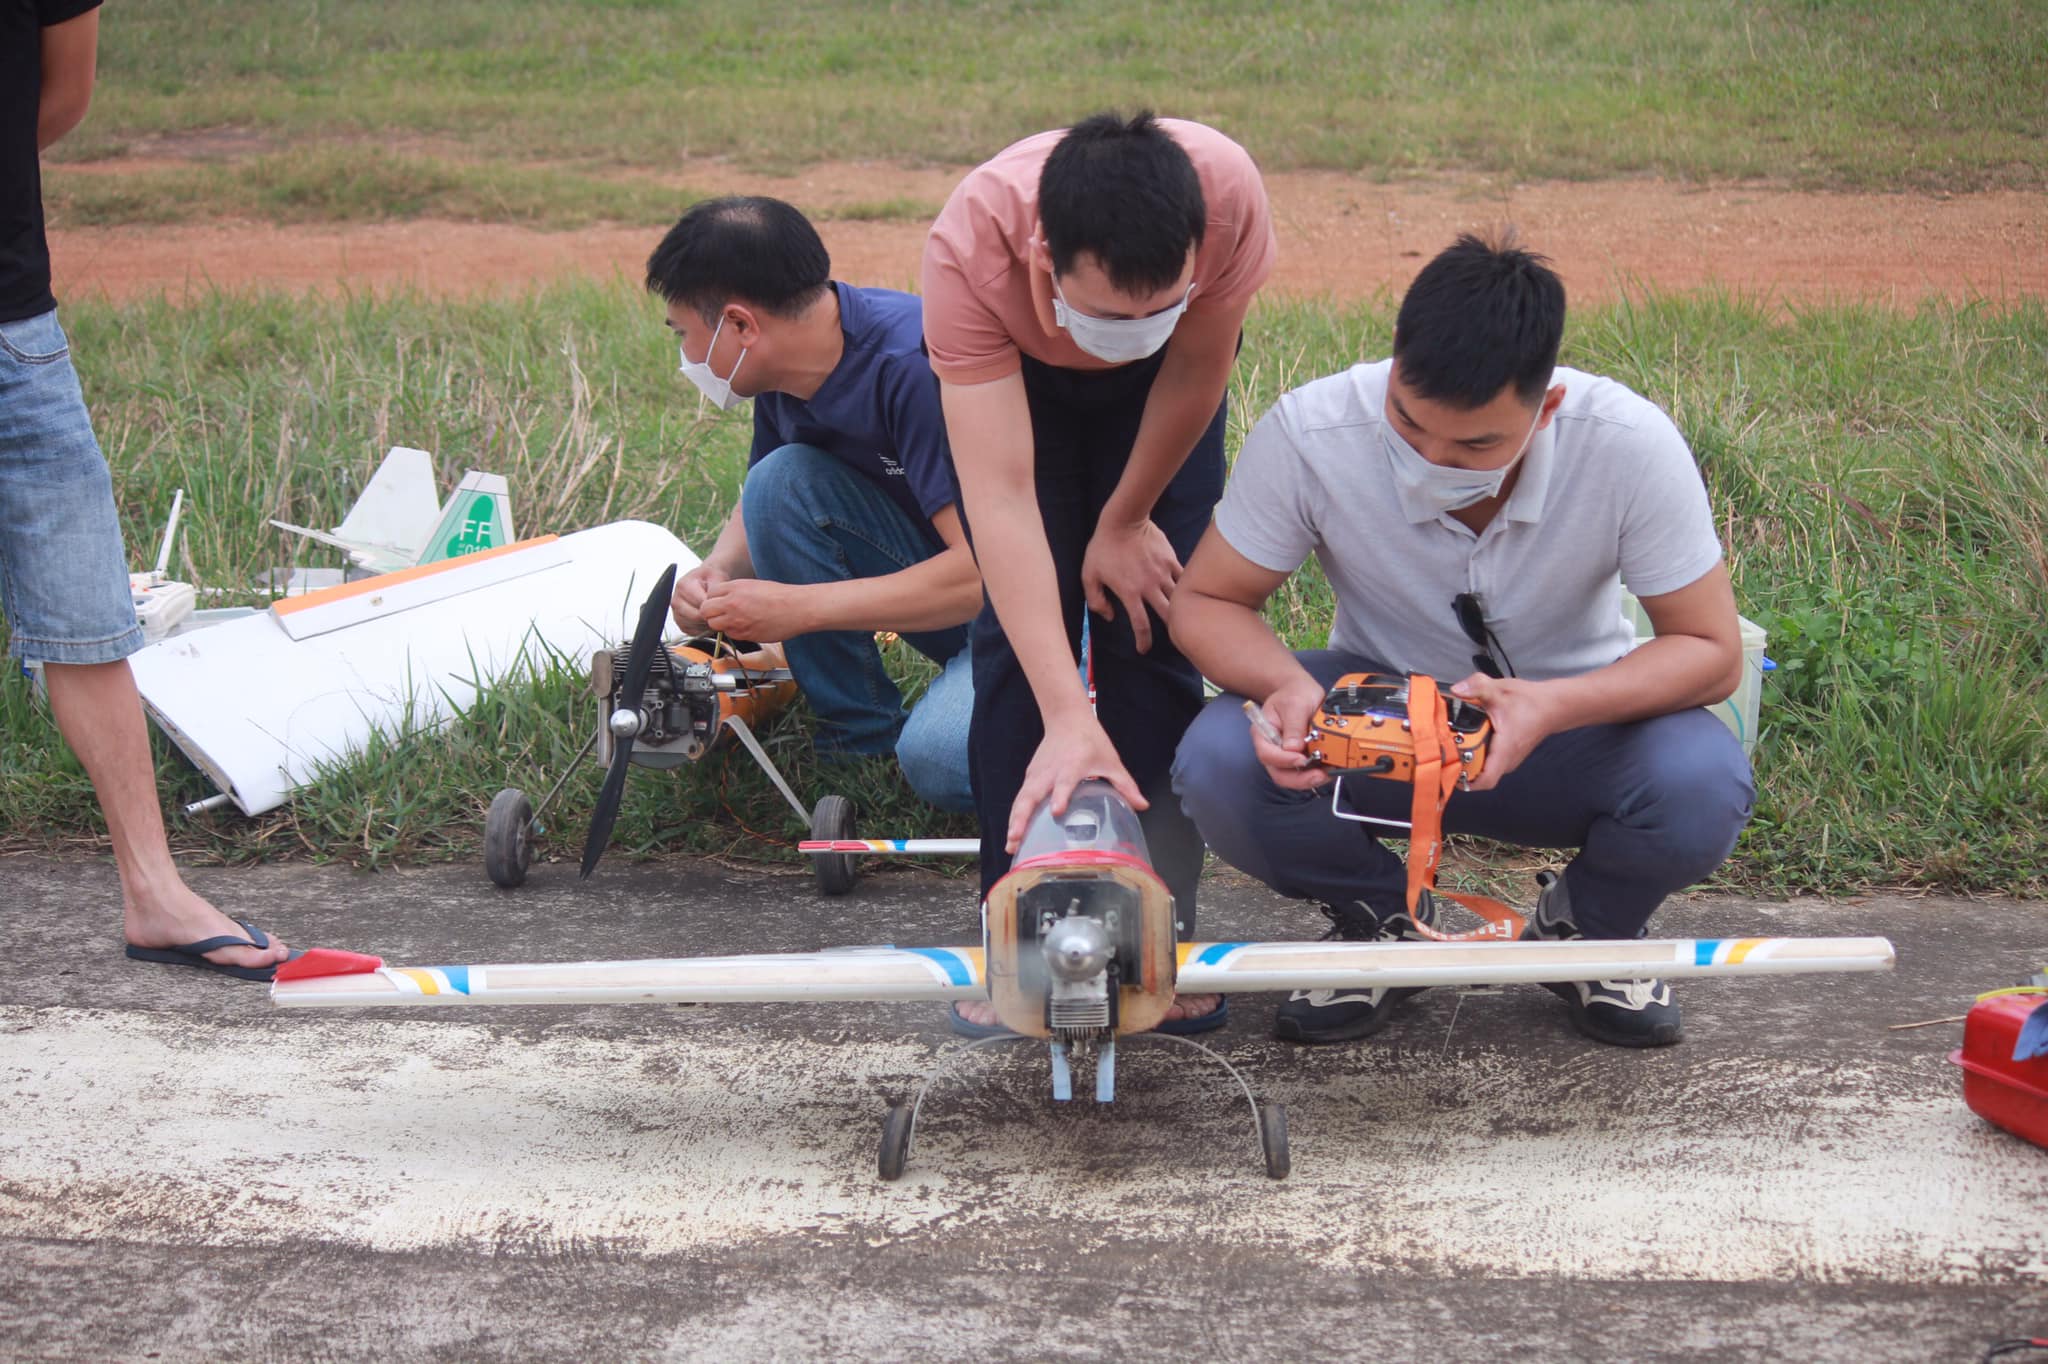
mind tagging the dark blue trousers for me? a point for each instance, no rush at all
(1652, 806)
(1083, 424)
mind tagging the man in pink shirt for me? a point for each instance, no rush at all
(1084, 295)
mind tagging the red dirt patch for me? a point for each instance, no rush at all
(1343, 236)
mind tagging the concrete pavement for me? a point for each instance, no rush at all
(186, 1173)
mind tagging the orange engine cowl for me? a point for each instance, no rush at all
(753, 703)
(1084, 876)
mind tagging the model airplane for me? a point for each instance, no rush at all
(666, 705)
(1079, 949)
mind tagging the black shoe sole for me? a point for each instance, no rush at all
(1288, 1030)
(1582, 1021)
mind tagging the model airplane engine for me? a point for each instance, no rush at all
(691, 688)
(1080, 930)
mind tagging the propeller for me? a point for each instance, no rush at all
(625, 722)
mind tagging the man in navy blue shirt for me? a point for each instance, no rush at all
(848, 521)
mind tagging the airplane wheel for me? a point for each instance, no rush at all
(508, 837)
(836, 872)
(895, 1149)
(1273, 1140)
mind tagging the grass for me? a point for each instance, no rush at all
(344, 183)
(1878, 478)
(1884, 93)
(352, 184)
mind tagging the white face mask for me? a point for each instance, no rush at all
(1439, 486)
(698, 372)
(1119, 340)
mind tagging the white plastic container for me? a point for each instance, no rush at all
(1738, 712)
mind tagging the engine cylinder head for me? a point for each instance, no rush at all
(1077, 948)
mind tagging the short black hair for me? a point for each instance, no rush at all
(744, 246)
(1127, 194)
(1484, 314)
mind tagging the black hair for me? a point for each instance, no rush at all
(1482, 315)
(1127, 194)
(742, 246)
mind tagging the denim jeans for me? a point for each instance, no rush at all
(1652, 806)
(812, 519)
(63, 570)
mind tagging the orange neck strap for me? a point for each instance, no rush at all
(1437, 773)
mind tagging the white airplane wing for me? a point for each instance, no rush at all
(860, 973)
(329, 979)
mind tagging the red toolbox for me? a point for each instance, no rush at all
(2013, 1094)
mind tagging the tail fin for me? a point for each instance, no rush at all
(476, 516)
(391, 519)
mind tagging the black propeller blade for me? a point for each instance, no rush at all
(632, 689)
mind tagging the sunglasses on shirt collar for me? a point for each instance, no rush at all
(1472, 620)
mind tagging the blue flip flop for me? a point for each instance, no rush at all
(194, 954)
(1178, 1027)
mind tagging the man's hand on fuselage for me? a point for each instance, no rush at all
(1075, 748)
(990, 426)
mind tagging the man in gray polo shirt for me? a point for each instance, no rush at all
(1477, 510)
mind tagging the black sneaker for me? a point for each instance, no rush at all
(1621, 1013)
(1318, 1016)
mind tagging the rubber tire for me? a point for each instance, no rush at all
(508, 837)
(894, 1151)
(836, 872)
(1273, 1140)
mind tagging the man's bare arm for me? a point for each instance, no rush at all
(1183, 400)
(935, 594)
(1216, 623)
(1695, 660)
(70, 63)
(990, 429)
(989, 426)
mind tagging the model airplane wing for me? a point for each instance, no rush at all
(320, 979)
(856, 973)
(1226, 967)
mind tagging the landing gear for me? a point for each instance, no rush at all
(508, 837)
(1273, 1140)
(895, 1149)
(1269, 1121)
(512, 826)
(836, 872)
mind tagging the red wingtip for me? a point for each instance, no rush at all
(327, 961)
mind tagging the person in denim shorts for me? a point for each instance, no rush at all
(63, 570)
